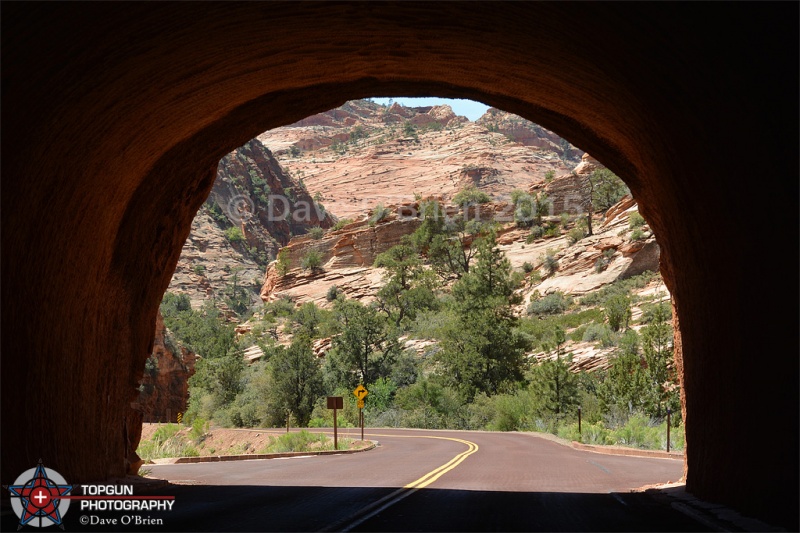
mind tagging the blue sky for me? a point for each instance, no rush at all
(468, 108)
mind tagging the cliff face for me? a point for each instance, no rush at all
(164, 385)
(347, 255)
(362, 154)
(527, 133)
(254, 208)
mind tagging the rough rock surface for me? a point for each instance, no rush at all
(347, 255)
(165, 389)
(375, 160)
(527, 133)
(254, 193)
(116, 131)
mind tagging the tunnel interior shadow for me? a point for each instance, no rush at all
(315, 508)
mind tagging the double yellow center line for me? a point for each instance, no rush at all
(433, 475)
(387, 501)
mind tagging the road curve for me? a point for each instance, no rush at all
(419, 480)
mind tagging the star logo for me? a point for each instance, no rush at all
(36, 497)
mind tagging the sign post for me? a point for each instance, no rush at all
(360, 392)
(335, 402)
(669, 413)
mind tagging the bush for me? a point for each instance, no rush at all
(199, 269)
(598, 332)
(618, 311)
(316, 233)
(551, 304)
(552, 230)
(166, 442)
(234, 234)
(549, 262)
(199, 429)
(301, 441)
(638, 235)
(470, 195)
(379, 213)
(282, 307)
(333, 293)
(341, 223)
(575, 234)
(527, 267)
(537, 232)
(636, 220)
(282, 264)
(604, 260)
(311, 261)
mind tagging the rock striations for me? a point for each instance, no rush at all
(362, 154)
(254, 208)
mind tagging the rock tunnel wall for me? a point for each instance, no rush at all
(114, 119)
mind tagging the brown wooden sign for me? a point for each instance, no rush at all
(335, 402)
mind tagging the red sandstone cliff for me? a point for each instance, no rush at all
(164, 385)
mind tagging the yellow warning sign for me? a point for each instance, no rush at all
(360, 392)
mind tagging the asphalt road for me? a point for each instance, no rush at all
(414, 481)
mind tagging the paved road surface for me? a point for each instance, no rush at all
(417, 481)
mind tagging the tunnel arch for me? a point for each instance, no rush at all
(113, 130)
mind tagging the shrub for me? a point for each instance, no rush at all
(199, 269)
(379, 213)
(311, 261)
(607, 188)
(333, 293)
(575, 234)
(234, 234)
(600, 264)
(341, 223)
(598, 332)
(618, 311)
(552, 230)
(470, 195)
(549, 175)
(549, 262)
(166, 442)
(282, 264)
(300, 441)
(636, 220)
(604, 260)
(316, 233)
(199, 429)
(638, 235)
(527, 267)
(551, 304)
(536, 233)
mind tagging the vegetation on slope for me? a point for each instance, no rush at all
(450, 284)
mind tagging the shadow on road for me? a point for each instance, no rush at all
(259, 508)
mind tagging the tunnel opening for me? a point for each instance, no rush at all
(343, 151)
(131, 223)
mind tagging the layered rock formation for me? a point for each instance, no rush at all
(527, 133)
(254, 208)
(362, 154)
